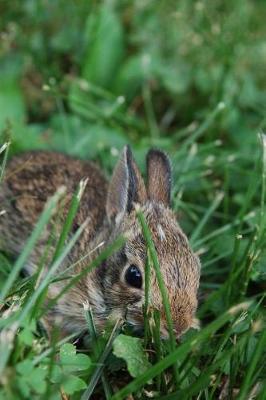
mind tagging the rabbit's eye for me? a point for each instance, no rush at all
(133, 276)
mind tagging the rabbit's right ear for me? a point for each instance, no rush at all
(159, 176)
(126, 187)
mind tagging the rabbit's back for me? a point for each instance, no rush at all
(33, 177)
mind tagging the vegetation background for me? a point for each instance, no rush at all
(86, 77)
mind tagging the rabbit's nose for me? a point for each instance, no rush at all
(165, 333)
(176, 333)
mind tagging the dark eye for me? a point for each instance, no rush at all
(133, 276)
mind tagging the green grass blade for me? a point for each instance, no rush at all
(9, 331)
(163, 290)
(74, 205)
(107, 252)
(258, 354)
(224, 228)
(204, 126)
(147, 300)
(43, 221)
(215, 204)
(263, 188)
(4, 148)
(204, 378)
(100, 364)
(53, 268)
(149, 109)
(96, 348)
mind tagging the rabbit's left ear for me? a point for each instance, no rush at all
(159, 176)
(126, 187)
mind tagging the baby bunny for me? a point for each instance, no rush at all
(116, 288)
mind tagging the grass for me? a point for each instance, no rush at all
(187, 78)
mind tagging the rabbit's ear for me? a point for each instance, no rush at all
(159, 176)
(126, 187)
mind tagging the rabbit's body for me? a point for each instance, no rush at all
(31, 179)
(115, 288)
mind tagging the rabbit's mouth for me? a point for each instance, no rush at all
(136, 323)
(134, 320)
(137, 330)
(132, 316)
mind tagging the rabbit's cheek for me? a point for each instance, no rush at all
(116, 314)
(134, 316)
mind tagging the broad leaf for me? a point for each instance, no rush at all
(72, 361)
(105, 47)
(131, 350)
(73, 384)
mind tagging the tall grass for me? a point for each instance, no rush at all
(205, 363)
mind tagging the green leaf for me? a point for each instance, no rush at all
(24, 367)
(131, 350)
(130, 77)
(73, 384)
(105, 48)
(89, 140)
(72, 361)
(82, 362)
(24, 387)
(27, 137)
(31, 377)
(11, 102)
(26, 336)
(67, 352)
(37, 380)
(57, 374)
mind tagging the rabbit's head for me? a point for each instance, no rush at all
(124, 271)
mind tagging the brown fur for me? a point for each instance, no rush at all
(33, 177)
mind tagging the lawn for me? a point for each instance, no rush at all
(88, 77)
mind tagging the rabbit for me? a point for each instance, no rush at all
(115, 289)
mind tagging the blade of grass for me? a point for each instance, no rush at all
(147, 300)
(215, 260)
(74, 205)
(164, 294)
(157, 345)
(109, 250)
(64, 122)
(44, 261)
(215, 204)
(63, 275)
(204, 126)
(263, 187)
(56, 264)
(6, 345)
(149, 109)
(96, 348)
(100, 364)
(91, 112)
(235, 272)
(204, 377)
(258, 353)
(43, 221)
(4, 148)
(179, 184)
(224, 229)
